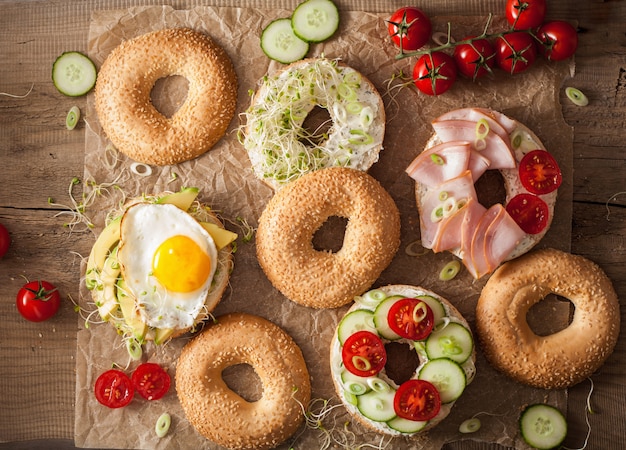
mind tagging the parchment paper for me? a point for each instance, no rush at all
(228, 184)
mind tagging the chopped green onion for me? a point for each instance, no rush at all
(373, 297)
(363, 139)
(415, 248)
(134, 349)
(346, 92)
(367, 117)
(378, 385)
(482, 129)
(420, 312)
(436, 214)
(361, 363)
(71, 120)
(354, 107)
(143, 170)
(355, 387)
(576, 96)
(450, 270)
(443, 195)
(162, 425)
(350, 398)
(437, 159)
(470, 425)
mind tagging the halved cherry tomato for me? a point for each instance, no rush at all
(515, 52)
(539, 172)
(364, 354)
(530, 212)
(114, 389)
(525, 14)
(5, 240)
(434, 73)
(411, 318)
(151, 381)
(417, 400)
(559, 40)
(38, 301)
(409, 28)
(475, 59)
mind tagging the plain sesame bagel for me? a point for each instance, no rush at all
(566, 357)
(220, 414)
(125, 82)
(278, 146)
(320, 278)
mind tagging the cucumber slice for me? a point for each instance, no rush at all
(453, 341)
(357, 320)
(436, 306)
(380, 318)
(406, 426)
(447, 376)
(315, 20)
(543, 426)
(73, 74)
(279, 42)
(377, 406)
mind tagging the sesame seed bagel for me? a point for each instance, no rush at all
(562, 359)
(131, 121)
(220, 414)
(320, 278)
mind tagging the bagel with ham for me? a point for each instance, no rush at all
(467, 142)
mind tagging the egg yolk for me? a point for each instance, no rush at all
(180, 264)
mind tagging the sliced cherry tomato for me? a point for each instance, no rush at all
(530, 212)
(559, 40)
(525, 14)
(151, 381)
(417, 400)
(5, 240)
(38, 301)
(434, 73)
(515, 52)
(411, 318)
(114, 389)
(364, 354)
(539, 172)
(409, 28)
(475, 59)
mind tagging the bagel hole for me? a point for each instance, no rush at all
(169, 93)
(402, 362)
(243, 380)
(316, 127)
(329, 237)
(490, 189)
(541, 316)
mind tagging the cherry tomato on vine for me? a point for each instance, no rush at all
(525, 14)
(515, 52)
(364, 354)
(559, 40)
(475, 59)
(411, 318)
(151, 381)
(38, 301)
(409, 28)
(417, 400)
(5, 240)
(529, 212)
(114, 389)
(434, 73)
(539, 172)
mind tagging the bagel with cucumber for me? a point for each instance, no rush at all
(429, 325)
(160, 266)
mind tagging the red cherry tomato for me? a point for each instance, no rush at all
(5, 240)
(530, 212)
(411, 319)
(475, 59)
(539, 172)
(434, 73)
(364, 354)
(559, 40)
(114, 389)
(417, 400)
(409, 28)
(525, 14)
(515, 52)
(151, 381)
(38, 301)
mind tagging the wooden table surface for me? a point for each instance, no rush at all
(39, 158)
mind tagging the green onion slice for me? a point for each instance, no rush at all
(576, 96)
(450, 270)
(71, 120)
(437, 159)
(134, 349)
(162, 425)
(470, 425)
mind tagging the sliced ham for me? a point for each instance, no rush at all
(451, 160)
(495, 148)
(501, 239)
(478, 263)
(478, 164)
(448, 235)
(505, 122)
(474, 115)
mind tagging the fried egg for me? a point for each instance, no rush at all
(168, 261)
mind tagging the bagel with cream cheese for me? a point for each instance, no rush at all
(561, 359)
(467, 142)
(127, 114)
(160, 266)
(278, 146)
(322, 278)
(222, 415)
(433, 328)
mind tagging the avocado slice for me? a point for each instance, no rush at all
(163, 334)
(130, 314)
(182, 199)
(221, 236)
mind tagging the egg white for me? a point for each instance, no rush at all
(144, 227)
